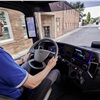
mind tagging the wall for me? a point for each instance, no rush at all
(19, 43)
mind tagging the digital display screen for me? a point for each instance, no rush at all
(82, 55)
(92, 69)
(31, 26)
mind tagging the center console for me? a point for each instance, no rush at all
(83, 66)
(86, 60)
(80, 65)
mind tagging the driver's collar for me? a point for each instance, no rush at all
(1, 47)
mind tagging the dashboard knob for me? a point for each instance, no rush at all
(93, 59)
(73, 74)
(84, 67)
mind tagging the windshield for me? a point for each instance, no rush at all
(77, 23)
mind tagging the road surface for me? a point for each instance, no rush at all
(83, 37)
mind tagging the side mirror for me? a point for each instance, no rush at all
(95, 44)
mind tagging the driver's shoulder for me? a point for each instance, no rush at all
(3, 52)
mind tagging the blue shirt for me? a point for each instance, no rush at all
(12, 76)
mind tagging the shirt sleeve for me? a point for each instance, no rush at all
(10, 72)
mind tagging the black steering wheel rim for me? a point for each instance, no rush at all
(31, 50)
(42, 40)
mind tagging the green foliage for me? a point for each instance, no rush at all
(80, 8)
(85, 23)
(77, 5)
(92, 20)
(88, 17)
(97, 19)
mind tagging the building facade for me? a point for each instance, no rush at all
(50, 24)
(56, 23)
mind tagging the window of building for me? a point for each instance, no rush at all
(24, 25)
(46, 31)
(58, 23)
(7, 32)
(58, 4)
(65, 9)
(65, 25)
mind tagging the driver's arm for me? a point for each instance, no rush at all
(20, 61)
(23, 60)
(34, 81)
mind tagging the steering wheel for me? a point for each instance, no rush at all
(41, 54)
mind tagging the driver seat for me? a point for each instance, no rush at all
(44, 89)
(5, 98)
(41, 93)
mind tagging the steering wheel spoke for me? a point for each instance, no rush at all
(52, 54)
(32, 51)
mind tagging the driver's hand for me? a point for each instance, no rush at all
(52, 62)
(27, 57)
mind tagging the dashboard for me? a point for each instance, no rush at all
(79, 64)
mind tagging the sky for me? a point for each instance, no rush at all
(81, 0)
(95, 11)
(92, 6)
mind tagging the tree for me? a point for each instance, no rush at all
(88, 18)
(77, 5)
(92, 20)
(80, 8)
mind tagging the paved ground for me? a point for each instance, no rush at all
(82, 36)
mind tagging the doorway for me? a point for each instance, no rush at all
(46, 31)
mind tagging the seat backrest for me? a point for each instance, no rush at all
(5, 98)
(41, 90)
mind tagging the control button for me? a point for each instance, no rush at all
(82, 80)
(63, 60)
(93, 59)
(72, 60)
(73, 74)
(80, 72)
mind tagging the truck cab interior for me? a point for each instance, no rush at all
(79, 65)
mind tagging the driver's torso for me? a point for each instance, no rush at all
(12, 76)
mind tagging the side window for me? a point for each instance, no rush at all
(7, 32)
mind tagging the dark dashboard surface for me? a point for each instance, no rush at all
(79, 64)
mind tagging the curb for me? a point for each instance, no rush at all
(68, 33)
